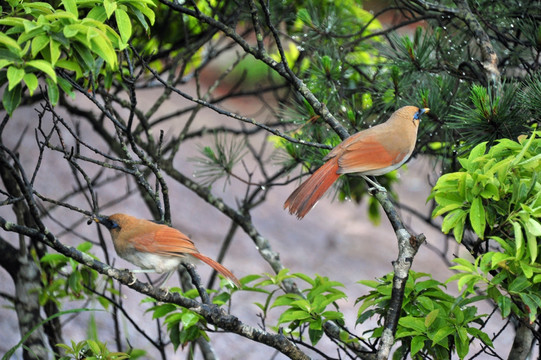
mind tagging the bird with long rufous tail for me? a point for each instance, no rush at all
(374, 151)
(155, 247)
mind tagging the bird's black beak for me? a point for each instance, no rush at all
(105, 221)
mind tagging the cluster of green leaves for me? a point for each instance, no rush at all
(510, 289)
(307, 310)
(491, 117)
(185, 325)
(311, 308)
(498, 195)
(432, 322)
(410, 55)
(79, 37)
(331, 60)
(74, 285)
(92, 349)
(326, 59)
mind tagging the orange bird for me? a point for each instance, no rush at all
(155, 247)
(374, 151)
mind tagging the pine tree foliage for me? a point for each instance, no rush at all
(311, 72)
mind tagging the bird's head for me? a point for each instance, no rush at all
(108, 221)
(420, 112)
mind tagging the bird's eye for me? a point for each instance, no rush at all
(418, 114)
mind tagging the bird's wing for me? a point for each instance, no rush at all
(366, 154)
(165, 240)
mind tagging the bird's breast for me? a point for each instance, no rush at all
(159, 263)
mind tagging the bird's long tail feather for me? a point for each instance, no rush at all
(310, 191)
(218, 267)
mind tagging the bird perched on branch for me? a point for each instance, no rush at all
(374, 151)
(155, 247)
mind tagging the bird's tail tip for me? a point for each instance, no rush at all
(219, 268)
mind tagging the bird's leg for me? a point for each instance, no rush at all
(376, 186)
(138, 271)
(161, 282)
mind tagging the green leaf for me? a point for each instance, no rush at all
(71, 65)
(12, 99)
(85, 246)
(38, 43)
(54, 49)
(124, 24)
(94, 346)
(440, 210)
(504, 303)
(86, 56)
(519, 284)
(52, 91)
(31, 82)
(66, 86)
(293, 315)
(71, 6)
(285, 300)
(315, 335)
(15, 75)
(458, 229)
(531, 241)
(531, 301)
(189, 319)
(478, 217)
(97, 13)
(469, 280)
(10, 43)
(414, 323)
(527, 269)
(53, 257)
(462, 343)
(302, 304)
(12, 21)
(431, 317)
(519, 240)
(480, 335)
(417, 344)
(145, 10)
(110, 7)
(370, 283)
(452, 219)
(332, 315)
(162, 310)
(491, 191)
(477, 151)
(4, 62)
(102, 46)
(442, 334)
(533, 227)
(316, 324)
(44, 66)
(465, 265)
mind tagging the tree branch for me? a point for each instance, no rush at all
(408, 245)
